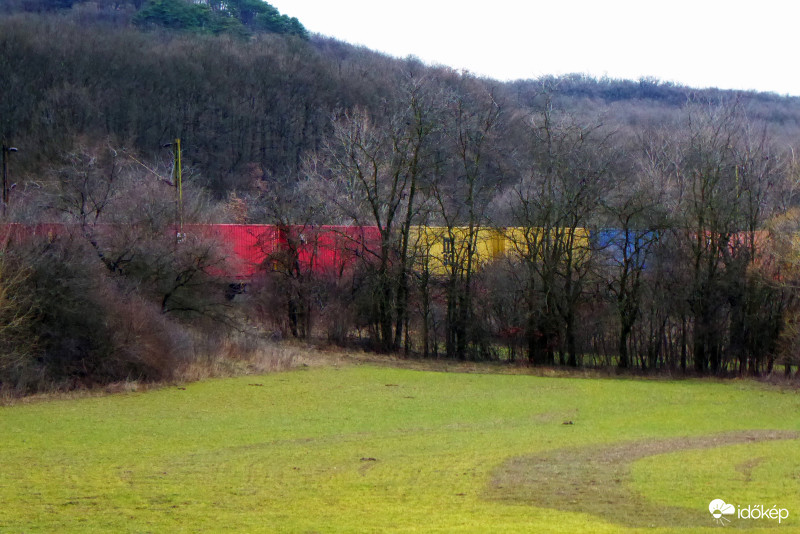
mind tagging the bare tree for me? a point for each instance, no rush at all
(119, 208)
(567, 169)
(635, 218)
(467, 178)
(721, 178)
(369, 173)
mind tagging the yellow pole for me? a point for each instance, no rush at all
(176, 146)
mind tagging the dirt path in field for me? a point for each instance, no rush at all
(597, 480)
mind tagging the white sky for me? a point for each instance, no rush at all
(730, 44)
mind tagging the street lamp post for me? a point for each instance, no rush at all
(5, 152)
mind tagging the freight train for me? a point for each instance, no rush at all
(333, 250)
(330, 250)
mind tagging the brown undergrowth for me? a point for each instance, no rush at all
(207, 356)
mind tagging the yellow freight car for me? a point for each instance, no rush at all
(441, 250)
(565, 244)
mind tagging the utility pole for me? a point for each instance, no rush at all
(177, 182)
(177, 179)
(5, 151)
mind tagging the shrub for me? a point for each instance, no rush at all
(83, 328)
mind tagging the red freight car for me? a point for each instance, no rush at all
(322, 250)
(246, 246)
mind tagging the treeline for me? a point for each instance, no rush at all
(669, 248)
(248, 110)
(655, 230)
(241, 18)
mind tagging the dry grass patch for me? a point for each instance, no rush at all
(597, 480)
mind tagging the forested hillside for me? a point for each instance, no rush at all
(655, 224)
(252, 106)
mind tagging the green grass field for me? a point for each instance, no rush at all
(369, 448)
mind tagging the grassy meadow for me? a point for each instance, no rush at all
(374, 448)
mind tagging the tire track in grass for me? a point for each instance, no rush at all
(597, 480)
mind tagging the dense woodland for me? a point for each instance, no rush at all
(694, 190)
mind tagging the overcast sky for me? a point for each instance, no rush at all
(729, 44)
